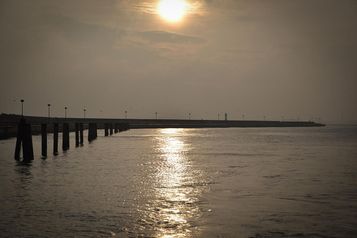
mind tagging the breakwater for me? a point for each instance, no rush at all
(9, 123)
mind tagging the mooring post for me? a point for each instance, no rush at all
(27, 146)
(81, 133)
(95, 131)
(111, 128)
(65, 136)
(106, 129)
(116, 128)
(55, 138)
(77, 134)
(44, 139)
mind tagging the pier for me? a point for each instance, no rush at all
(23, 127)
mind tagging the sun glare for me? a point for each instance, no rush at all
(172, 10)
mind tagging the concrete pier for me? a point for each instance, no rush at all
(20, 126)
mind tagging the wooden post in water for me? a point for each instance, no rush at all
(44, 140)
(77, 134)
(81, 133)
(106, 129)
(65, 136)
(55, 138)
(111, 128)
(116, 128)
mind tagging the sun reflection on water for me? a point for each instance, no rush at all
(176, 197)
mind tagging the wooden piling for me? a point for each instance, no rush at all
(55, 138)
(65, 136)
(111, 129)
(44, 140)
(81, 133)
(116, 128)
(77, 134)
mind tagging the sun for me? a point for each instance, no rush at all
(172, 10)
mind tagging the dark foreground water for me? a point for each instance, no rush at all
(268, 182)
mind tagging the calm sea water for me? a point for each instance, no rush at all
(267, 182)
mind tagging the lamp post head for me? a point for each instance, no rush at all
(22, 100)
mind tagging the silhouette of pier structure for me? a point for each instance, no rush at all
(55, 126)
(23, 127)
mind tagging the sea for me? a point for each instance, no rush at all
(234, 182)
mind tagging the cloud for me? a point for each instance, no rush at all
(161, 44)
(169, 37)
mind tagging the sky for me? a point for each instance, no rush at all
(278, 59)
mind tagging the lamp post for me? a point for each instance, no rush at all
(126, 114)
(65, 112)
(22, 107)
(49, 110)
(189, 116)
(84, 113)
(156, 115)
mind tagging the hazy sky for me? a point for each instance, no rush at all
(291, 58)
